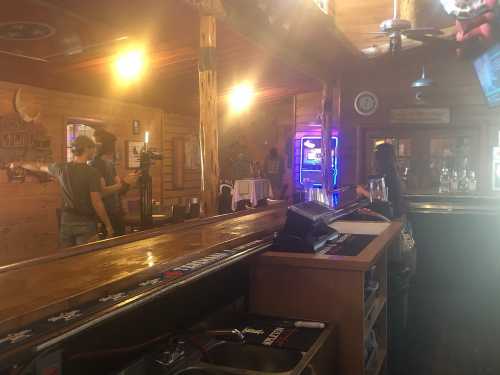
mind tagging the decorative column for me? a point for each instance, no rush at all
(209, 131)
(326, 135)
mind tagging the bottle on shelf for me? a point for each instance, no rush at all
(454, 182)
(463, 181)
(444, 181)
(472, 182)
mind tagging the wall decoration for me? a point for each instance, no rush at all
(23, 137)
(133, 153)
(366, 103)
(192, 152)
(425, 116)
(136, 127)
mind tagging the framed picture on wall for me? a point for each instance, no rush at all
(133, 153)
(136, 127)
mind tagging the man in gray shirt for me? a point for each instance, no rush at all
(81, 194)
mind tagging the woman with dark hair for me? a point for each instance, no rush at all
(386, 166)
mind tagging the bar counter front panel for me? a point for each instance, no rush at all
(53, 289)
(454, 311)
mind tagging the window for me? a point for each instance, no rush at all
(73, 130)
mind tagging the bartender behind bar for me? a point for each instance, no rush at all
(81, 194)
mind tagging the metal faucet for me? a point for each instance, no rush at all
(233, 334)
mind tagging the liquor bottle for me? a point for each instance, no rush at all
(454, 182)
(444, 181)
(472, 182)
(463, 181)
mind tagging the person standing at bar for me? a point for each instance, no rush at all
(81, 194)
(113, 188)
(274, 167)
(386, 165)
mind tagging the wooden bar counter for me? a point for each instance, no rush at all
(37, 290)
(330, 288)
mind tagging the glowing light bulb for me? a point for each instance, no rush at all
(146, 137)
(130, 65)
(241, 97)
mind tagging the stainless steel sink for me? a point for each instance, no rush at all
(253, 357)
(196, 371)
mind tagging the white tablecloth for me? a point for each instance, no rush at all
(251, 189)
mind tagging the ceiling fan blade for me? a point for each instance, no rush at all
(379, 36)
(424, 30)
(451, 43)
(22, 56)
(80, 49)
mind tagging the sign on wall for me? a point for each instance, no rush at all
(430, 116)
(133, 153)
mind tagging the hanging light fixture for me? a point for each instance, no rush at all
(423, 87)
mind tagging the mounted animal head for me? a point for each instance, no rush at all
(21, 109)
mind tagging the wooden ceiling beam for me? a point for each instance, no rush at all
(259, 32)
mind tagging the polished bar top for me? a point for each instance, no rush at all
(39, 289)
(361, 262)
(453, 203)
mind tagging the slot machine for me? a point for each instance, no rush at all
(310, 161)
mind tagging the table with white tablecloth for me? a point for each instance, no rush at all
(250, 189)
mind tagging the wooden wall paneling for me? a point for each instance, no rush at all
(457, 88)
(29, 208)
(178, 163)
(178, 127)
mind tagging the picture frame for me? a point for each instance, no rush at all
(136, 127)
(133, 154)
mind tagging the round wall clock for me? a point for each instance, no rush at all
(366, 103)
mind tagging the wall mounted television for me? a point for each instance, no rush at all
(487, 67)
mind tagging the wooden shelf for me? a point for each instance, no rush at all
(378, 364)
(372, 316)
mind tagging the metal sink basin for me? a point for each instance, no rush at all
(196, 371)
(253, 357)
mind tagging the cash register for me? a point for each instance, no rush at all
(306, 228)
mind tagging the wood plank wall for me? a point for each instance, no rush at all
(28, 226)
(265, 126)
(457, 88)
(180, 180)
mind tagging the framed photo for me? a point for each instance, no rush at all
(133, 153)
(136, 127)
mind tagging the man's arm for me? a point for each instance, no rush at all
(32, 166)
(98, 205)
(111, 189)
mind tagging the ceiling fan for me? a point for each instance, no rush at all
(396, 28)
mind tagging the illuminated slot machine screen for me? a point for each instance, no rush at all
(310, 160)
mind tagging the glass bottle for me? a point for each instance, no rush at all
(472, 182)
(463, 181)
(454, 182)
(444, 181)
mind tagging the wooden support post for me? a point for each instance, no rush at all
(326, 135)
(209, 131)
(408, 11)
